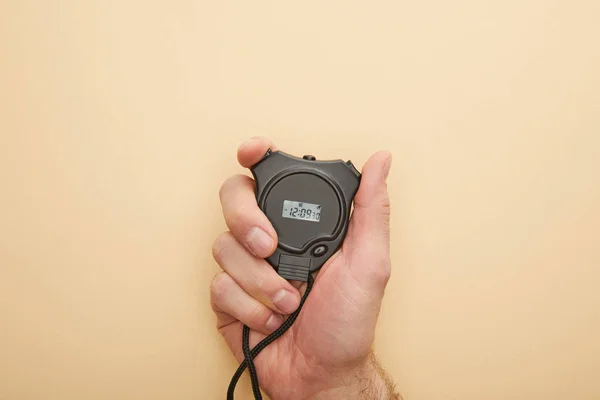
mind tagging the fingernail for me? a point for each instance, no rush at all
(259, 241)
(273, 322)
(286, 302)
(386, 167)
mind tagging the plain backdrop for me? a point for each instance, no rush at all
(119, 119)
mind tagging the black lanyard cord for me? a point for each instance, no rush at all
(249, 355)
(250, 363)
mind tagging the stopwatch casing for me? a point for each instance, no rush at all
(308, 203)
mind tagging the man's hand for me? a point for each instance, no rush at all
(326, 354)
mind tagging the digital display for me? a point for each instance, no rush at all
(301, 211)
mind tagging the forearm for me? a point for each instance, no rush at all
(370, 382)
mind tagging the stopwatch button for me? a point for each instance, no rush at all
(352, 168)
(319, 250)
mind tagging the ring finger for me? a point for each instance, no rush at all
(229, 299)
(255, 275)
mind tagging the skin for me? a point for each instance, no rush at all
(327, 352)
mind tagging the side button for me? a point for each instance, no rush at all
(319, 250)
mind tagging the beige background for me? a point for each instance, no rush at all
(119, 119)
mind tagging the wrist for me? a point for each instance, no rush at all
(367, 381)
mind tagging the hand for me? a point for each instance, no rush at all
(327, 352)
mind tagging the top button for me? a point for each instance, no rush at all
(309, 157)
(352, 168)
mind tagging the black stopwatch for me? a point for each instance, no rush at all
(308, 203)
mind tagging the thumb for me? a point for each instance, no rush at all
(367, 244)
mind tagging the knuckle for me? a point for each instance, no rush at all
(236, 221)
(239, 204)
(383, 272)
(385, 212)
(259, 315)
(232, 182)
(219, 286)
(384, 202)
(223, 189)
(220, 245)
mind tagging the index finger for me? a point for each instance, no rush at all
(252, 150)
